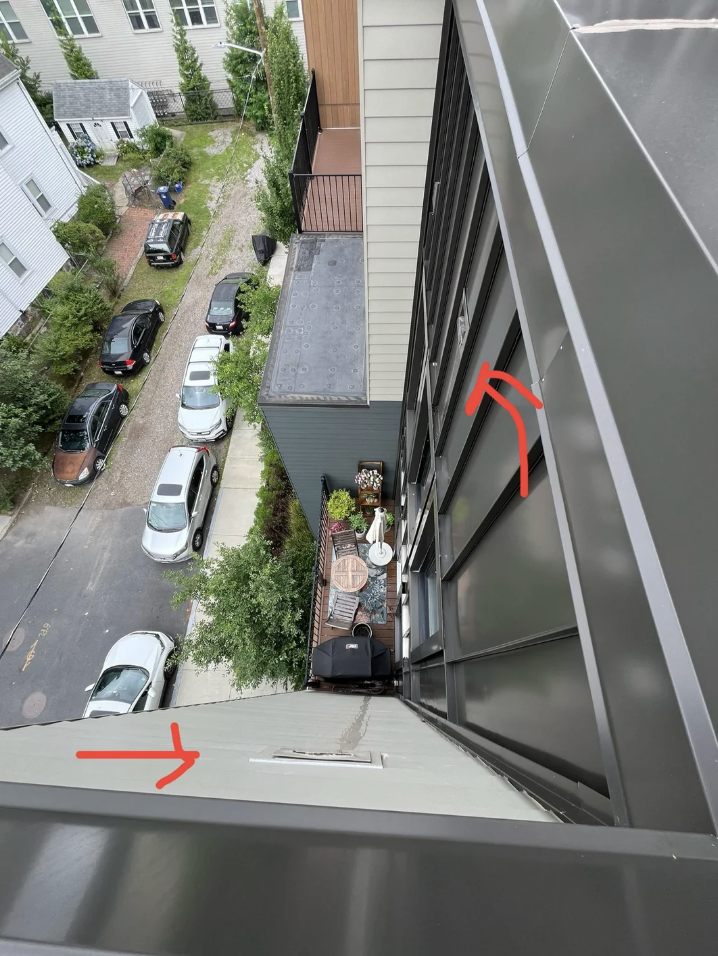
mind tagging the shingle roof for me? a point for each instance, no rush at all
(91, 99)
(6, 67)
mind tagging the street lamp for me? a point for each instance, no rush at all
(223, 45)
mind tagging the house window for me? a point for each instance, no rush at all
(11, 260)
(38, 197)
(122, 131)
(294, 9)
(195, 13)
(75, 15)
(3, 143)
(10, 26)
(77, 130)
(142, 14)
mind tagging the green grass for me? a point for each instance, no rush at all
(223, 247)
(111, 174)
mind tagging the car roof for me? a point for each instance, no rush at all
(120, 323)
(204, 350)
(176, 470)
(160, 226)
(85, 402)
(139, 305)
(225, 291)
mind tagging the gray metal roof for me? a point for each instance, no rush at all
(318, 350)
(6, 67)
(91, 99)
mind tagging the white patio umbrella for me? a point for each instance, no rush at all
(379, 552)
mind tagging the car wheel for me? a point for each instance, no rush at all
(146, 357)
(99, 464)
(180, 259)
(197, 540)
(161, 317)
(124, 410)
(214, 476)
(170, 667)
(229, 421)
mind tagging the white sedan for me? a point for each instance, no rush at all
(202, 415)
(133, 676)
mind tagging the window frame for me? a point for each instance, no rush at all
(299, 8)
(15, 258)
(142, 14)
(25, 188)
(114, 124)
(199, 5)
(73, 133)
(77, 16)
(6, 23)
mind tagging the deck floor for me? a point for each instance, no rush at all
(333, 202)
(338, 151)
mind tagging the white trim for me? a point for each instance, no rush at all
(17, 258)
(186, 4)
(25, 188)
(142, 12)
(6, 24)
(77, 16)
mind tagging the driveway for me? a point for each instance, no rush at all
(101, 585)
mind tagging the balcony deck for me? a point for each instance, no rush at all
(333, 199)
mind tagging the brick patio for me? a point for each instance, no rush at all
(126, 242)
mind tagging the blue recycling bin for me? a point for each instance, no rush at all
(179, 187)
(164, 193)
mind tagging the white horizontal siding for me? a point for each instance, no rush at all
(399, 103)
(393, 233)
(401, 177)
(397, 154)
(393, 215)
(400, 74)
(400, 250)
(391, 197)
(402, 280)
(397, 129)
(398, 265)
(410, 42)
(392, 292)
(400, 12)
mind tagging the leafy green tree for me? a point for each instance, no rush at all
(274, 198)
(155, 139)
(31, 81)
(17, 440)
(241, 28)
(199, 103)
(79, 238)
(77, 311)
(255, 611)
(77, 62)
(97, 206)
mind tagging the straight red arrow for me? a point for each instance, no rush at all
(178, 752)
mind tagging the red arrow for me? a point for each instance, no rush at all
(187, 757)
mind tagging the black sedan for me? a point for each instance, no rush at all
(128, 341)
(226, 314)
(88, 429)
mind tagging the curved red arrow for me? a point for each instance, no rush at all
(187, 757)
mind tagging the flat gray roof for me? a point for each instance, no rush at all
(318, 350)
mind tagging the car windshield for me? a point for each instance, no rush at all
(119, 345)
(166, 516)
(157, 247)
(199, 396)
(74, 439)
(220, 308)
(121, 684)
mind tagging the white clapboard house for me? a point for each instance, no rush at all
(39, 184)
(106, 110)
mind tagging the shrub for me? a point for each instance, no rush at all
(155, 139)
(241, 28)
(79, 238)
(357, 522)
(77, 61)
(271, 516)
(96, 206)
(105, 269)
(340, 504)
(389, 519)
(130, 149)
(300, 533)
(77, 311)
(84, 151)
(199, 104)
(171, 166)
(17, 444)
(14, 344)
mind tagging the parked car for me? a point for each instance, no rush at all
(127, 345)
(225, 313)
(166, 239)
(202, 413)
(87, 432)
(179, 504)
(133, 675)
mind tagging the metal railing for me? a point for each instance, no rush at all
(194, 107)
(318, 584)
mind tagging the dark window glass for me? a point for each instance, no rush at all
(74, 439)
(199, 396)
(121, 684)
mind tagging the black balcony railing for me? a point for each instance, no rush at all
(323, 202)
(315, 611)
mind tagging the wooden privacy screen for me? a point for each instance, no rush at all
(330, 27)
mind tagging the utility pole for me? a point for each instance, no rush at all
(261, 29)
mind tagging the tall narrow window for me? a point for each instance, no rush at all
(294, 9)
(195, 13)
(10, 26)
(431, 606)
(75, 15)
(38, 197)
(142, 14)
(11, 260)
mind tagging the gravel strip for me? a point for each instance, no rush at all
(152, 425)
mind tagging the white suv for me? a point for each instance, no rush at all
(202, 413)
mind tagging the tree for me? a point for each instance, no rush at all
(77, 62)
(241, 28)
(255, 611)
(31, 81)
(274, 198)
(199, 104)
(77, 311)
(97, 207)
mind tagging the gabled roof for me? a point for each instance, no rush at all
(91, 99)
(7, 67)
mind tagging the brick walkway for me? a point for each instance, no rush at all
(126, 243)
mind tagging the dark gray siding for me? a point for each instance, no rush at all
(315, 441)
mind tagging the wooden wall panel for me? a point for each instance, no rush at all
(331, 31)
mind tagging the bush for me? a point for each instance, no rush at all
(105, 270)
(130, 149)
(155, 139)
(357, 522)
(199, 104)
(84, 151)
(171, 166)
(340, 504)
(79, 238)
(271, 516)
(14, 344)
(77, 311)
(97, 207)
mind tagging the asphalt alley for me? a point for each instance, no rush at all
(95, 592)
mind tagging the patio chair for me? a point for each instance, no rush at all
(344, 610)
(345, 543)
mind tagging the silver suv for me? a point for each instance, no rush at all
(202, 413)
(179, 503)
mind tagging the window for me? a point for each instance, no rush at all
(38, 197)
(11, 260)
(77, 130)
(294, 9)
(10, 26)
(3, 143)
(74, 14)
(122, 130)
(431, 609)
(142, 14)
(195, 13)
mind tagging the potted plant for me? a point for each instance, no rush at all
(357, 522)
(340, 505)
(390, 519)
(369, 480)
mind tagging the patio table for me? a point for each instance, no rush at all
(350, 573)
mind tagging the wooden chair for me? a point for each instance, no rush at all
(345, 543)
(344, 611)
